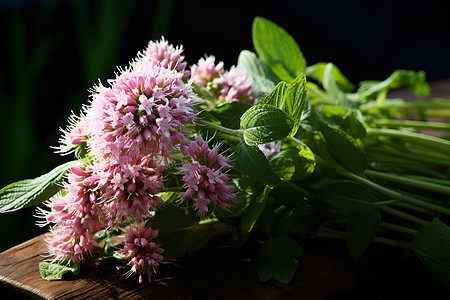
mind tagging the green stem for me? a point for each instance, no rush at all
(429, 186)
(393, 194)
(398, 228)
(231, 134)
(441, 106)
(297, 141)
(415, 208)
(414, 157)
(418, 138)
(430, 179)
(328, 233)
(388, 164)
(413, 124)
(402, 215)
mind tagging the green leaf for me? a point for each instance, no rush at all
(290, 98)
(203, 93)
(263, 79)
(31, 192)
(179, 231)
(303, 221)
(347, 119)
(54, 271)
(276, 96)
(295, 164)
(345, 150)
(296, 100)
(229, 114)
(361, 229)
(317, 71)
(172, 218)
(287, 193)
(278, 49)
(349, 196)
(178, 242)
(267, 220)
(432, 246)
(247, 190)
(330, 85)
(251, 216)
(279, 258)
(253, 163)
(265, 123)
(399, 78)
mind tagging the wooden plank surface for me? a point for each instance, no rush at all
(216, 271)
(219, 272)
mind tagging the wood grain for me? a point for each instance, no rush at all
(215, 271)
(219, 272)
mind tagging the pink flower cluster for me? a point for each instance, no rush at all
(228, 86)
(76, 214)
(131, 131)
(144, 254)
(204, 177)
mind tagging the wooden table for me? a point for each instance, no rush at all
(219, 272)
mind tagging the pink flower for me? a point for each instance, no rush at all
(236, 86)
(206, 71)
(204, 177)
(230, 86)
(130, 189)
(143, 112)
(76, 215)
(143, 253)
(76, 133)
(270, 149)
(165, 55)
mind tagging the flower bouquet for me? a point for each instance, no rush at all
(168, 155)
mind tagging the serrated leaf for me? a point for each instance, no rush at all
(361, 229)
(317, 71)
(290, 98)
(31, 192)
(54, 271)
(263, 79)
(251, 216)
(278, 49)
(296, 100)
(349, 196)
(432, 246)
(255, 164)
(279, 258)
(265, 123)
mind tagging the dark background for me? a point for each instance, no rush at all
(54, 51)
